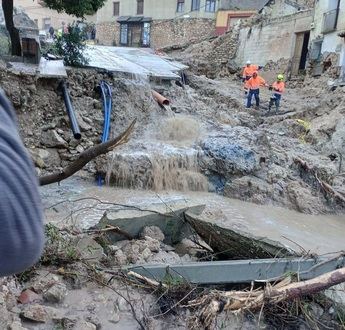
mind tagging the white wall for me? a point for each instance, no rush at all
(157, 9)
(37, 12)
(272, 41)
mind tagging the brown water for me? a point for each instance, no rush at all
(318, 234)
(167, 160)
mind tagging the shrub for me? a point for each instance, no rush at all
(71, 45)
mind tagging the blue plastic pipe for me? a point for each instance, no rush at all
(106, 94)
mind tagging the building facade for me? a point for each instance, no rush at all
(45, 17)
(328, 35)
(152, 23)
(231, 11)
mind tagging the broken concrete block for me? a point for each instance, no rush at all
(236, 244)
(169, 218)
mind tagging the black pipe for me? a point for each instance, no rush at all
(70, 111)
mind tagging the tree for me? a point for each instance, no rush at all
(75, 8)
(71, 46)
(7, 7)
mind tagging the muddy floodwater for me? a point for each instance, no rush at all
(78, 202)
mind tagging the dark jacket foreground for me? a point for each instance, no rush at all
(21, 217)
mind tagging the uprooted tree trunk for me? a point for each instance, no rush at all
(7, 7)
(236, 301)
(86, 156)
(326, 188)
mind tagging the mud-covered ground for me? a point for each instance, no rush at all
(208, 140)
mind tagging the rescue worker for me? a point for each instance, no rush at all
(253, 85)
(278, 88)
(248, 70)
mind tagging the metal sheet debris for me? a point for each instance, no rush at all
(51, 69)
(240, 271)
(135, 61)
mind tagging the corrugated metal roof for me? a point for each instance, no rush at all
(243, 4)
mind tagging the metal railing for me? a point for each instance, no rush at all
(330, 20)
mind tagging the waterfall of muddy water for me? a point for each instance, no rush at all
(167, 169)
(166, 161)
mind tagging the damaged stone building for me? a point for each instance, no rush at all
(150, 23)
(282, 34)
(298, 34)
(328, 38)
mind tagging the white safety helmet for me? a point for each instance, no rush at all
(248, 62)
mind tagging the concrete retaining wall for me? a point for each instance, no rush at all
(272, 39)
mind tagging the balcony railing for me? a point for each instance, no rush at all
(330, 20)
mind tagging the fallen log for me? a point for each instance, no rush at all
(86, 156)
(238, 301)
(327, 188)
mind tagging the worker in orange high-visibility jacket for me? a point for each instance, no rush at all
(248, 70)
(278, 88)
(253, 85)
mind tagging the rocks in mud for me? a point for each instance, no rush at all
(28, 296)
(40, 313)
(56, 293)
(51, 138)
(84, 325)
(153, 232)
(89, 249)
(226, 155)
(250, 189)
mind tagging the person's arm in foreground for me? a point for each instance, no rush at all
(21, 216)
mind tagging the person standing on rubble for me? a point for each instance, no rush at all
(278, 88)
(21, 215)
(253, 86)
(248, 70)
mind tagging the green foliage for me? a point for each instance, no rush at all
(59, 249)
(77, 8)
(71, 45)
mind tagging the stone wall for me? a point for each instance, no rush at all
(108, 34)
(273, 39)
(180, 31)
(163, 32)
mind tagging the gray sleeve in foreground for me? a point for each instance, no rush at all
(21, 216)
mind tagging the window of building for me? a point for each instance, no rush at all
(116, 8)
(180, 6)
(140, 7)
(195, 5)
(36, 22)
(146, 34)
(210, 6)
(46, 23)
(124, 34)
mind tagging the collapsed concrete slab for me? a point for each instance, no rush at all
(232, 243)
(168, 217)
